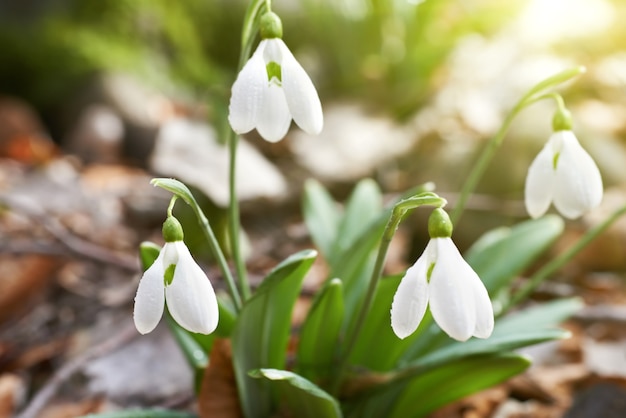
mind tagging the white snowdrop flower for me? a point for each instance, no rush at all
(271, 89)
(458, 300)
(176, 278)
(563, 173)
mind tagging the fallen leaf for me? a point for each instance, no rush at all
(218, 393)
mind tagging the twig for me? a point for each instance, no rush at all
(51, 387)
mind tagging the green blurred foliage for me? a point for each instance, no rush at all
(385, 52)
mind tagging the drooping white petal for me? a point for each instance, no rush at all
(411, 299)
(451, 296)
(190, 297)
(304, 103)
(540, 181)
(484, 308)
(247, 93)
(578, 186)
(274, 117)
(150, 298)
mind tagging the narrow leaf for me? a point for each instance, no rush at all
(261, 332)
(320, 332)
(500, 255)
(301, 397)
(363, 207)
(322, 216)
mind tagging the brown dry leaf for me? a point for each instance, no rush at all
(218, 393)
(22, 279)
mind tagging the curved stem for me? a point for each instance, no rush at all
(532, 96)
(397, 214)
(563, 258)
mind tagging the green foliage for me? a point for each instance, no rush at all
(299, 396)
(262, 330)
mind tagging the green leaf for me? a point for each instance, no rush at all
(322, 216)
(261, 333)
(422, 394)
(142, 413)
(501, 254)
(546, 315)
(355, 264)
(320, 332)
(363, 207)
(148, 253)
(194, 352)
(500, 341)
(302, 398)
(377, 332)
(176, 187)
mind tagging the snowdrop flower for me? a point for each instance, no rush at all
(564, 174)
(441, 277)
(272, 88)
(177, 278)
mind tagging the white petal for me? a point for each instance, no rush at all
(274, 117)
(150, 298)
(578, 186)
(247, 93)
(484, 308)
(451, 296)
(190, 298)
(411, 299)
(304, 103)
(539, 187)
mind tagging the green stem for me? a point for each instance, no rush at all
(248, 34)
(563, 258)
(532, 96)
(398, 213)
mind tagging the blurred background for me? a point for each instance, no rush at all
(99, 96)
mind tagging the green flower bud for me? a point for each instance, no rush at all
(439, 224)
(271, 26)
(172, 230)
(562, 120)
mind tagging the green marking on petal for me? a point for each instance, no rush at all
(555, 160)
(169, 274)
(430, 271)
(274, 71)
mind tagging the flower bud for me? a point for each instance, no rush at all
(172, 230)
(271, 26)
(439, 224)
(562, 120)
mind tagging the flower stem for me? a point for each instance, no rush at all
(248, 34)
(397, 214)
(532, 96)
(563, 258)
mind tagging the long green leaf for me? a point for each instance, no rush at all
(377, 332)
(322, 217)
(450, 382)
(364, 206)
(500, 255)
(422, 394)
(261, 333)
(320, 332)
(301, 397)
(546, 315)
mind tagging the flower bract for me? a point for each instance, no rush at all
(190, 297)
(563, 173)
(271, 89)
(458, 299)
